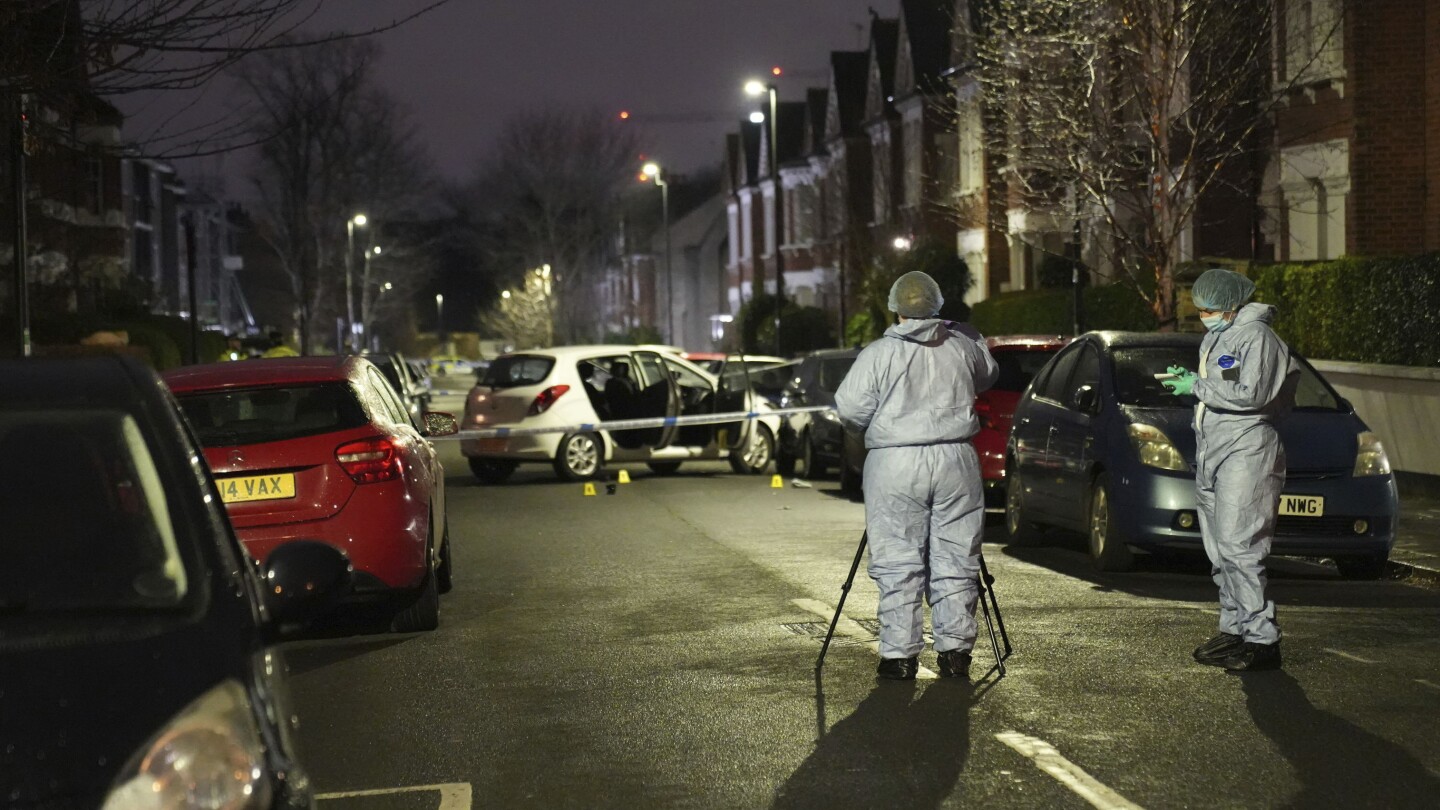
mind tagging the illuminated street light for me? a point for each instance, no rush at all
(375, 250)
(505, 294)
(653, 171)
(902, 243)
(757, 117)
(356, 221)
(756, 88)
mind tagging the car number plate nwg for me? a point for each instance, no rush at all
(1302, 505)
(256, 487)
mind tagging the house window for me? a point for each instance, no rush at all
(1314, 184)
(1312, 49)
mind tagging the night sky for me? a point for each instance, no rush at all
(464, 68)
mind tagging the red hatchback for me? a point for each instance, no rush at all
(322, 448)
(1019, 357)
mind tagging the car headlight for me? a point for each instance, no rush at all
(1155, 448)
(830, 416)
(210, 755)
(1370, 458)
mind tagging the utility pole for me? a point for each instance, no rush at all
(21, 255)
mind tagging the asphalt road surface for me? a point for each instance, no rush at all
(656, 648)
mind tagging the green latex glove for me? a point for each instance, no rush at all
(1183, 384)
(1178, 371)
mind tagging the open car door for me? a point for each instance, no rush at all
(656, 395)
(733, 395)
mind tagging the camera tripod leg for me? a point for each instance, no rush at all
(844, 591)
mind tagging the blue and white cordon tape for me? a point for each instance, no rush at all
(630, 424)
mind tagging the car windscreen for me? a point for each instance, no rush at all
(1018, 367)
(272, 414)
(1139, 371)
(517, 370)
(833, 371)
(86, 518)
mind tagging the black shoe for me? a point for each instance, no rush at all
(1253, 657)
(1218, 648)
(955, 664)
(898, 669)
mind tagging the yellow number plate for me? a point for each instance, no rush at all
(1302, 505)
(257, 487)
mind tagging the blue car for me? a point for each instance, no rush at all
(1099, 446)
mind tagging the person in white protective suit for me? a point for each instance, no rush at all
(1246, 383)
(913, 394)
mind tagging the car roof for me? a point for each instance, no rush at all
(822, 353)
(264, 371)
(1027, 341)
(1111, 340)
(576, 352)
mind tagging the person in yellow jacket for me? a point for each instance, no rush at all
(278, 347)
(234, 350)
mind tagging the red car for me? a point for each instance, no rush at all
(322, 448)
(1019, 357)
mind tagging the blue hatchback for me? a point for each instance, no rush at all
(1099, 446)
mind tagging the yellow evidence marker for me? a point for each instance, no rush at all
(777, 482)
(624, 477)
(589, 489)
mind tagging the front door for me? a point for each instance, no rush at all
(656, 395)
(733, 396)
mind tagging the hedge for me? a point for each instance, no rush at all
(1365, 310)
(1051, 312)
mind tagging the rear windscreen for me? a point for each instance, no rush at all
(1017, 368)
(517, 370)
(257, 415)
(832, 372)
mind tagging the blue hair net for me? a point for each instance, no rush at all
(915, 295)
(1221, 290)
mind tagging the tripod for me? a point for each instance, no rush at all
(988, 604)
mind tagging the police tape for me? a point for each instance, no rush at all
(630, 424)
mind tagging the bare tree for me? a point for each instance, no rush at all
(524, 316)
(1122, 116)
(551, 190)
(332, 145)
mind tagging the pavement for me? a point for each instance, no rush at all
(1417, 541)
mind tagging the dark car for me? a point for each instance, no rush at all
(1019, 358)
(135, 631)
(413, 391)
(1100, 446)
(810, 444)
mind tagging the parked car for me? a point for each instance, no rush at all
(322, 448)
(584, 385)
(135, 631)
(413, 392)
(769, 381)
(1019, 358)
(1100, 446)
(714, 361)
(811, 443)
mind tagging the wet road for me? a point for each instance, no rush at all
(655, 648)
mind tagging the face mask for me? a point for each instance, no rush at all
(1215, 323)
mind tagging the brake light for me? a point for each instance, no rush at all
(369, 461)
(547, 398)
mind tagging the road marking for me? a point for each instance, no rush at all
(852, 629)
(1424, 682)
(1049, 760)
(453, 795)
(1343, 654)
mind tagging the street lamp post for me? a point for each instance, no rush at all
(440, 319)
(757, 88)
(350, 225)
(653, 171)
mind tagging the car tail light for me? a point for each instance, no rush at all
(986, 412)
(369, 461)
(547, 398)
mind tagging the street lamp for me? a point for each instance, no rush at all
(902, 243)
(653, 171)
(439, 318)
(356, 221)
(756, 88)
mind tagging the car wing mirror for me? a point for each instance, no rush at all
(302, 579)
(440, 424)
(1087, 399)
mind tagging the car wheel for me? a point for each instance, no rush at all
(443, 581)
(1108, 551)
(1372, 567)
(814, 467)
(579, 457)
(757, 453)
(1020, 530)
(423, 613)
(492, 470)
(663, 467)
(851, 480)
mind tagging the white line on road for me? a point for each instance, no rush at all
(453, 795)
(1049, 760)
(1424, 682)
(850, 628)
(1344, 654)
